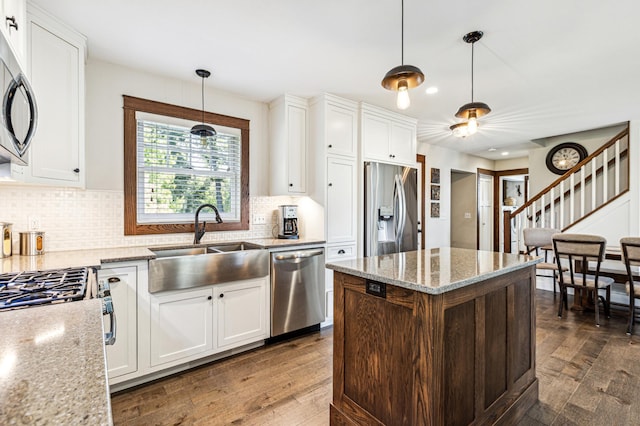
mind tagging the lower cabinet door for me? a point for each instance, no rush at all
(122, 356)
(243, 312)
(181, 325)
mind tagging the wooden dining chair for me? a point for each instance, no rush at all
(536, 239)
(631, 257)
(572, 248)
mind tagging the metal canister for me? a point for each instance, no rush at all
(31, 243)
(6, 239)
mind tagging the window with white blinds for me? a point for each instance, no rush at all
(178, 171)
(169, 173)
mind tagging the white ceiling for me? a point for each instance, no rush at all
(545, 67)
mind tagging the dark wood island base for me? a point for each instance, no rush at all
(406, 357)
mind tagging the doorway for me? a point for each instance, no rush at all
(464, 228)
(485, 210)
(510, 191)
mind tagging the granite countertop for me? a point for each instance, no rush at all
(434, 271)
(52, 365)
(96, 257)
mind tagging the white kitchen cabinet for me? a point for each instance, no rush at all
(242, 312)
(334, 138)
(181, 324)
(387, 136)
(122, 357)
(56, 62)
(341, 204)
(14, 16)
(340, 126)
(289, 134)
(334, 253)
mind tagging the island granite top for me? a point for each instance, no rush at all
(52, 368)
(434, 271)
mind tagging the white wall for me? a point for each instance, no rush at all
(89, 218)
(437, 230)
(540, 177)
(512, 164)
(105, 85)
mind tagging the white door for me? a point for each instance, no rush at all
(376, 136)
(297, 148)
(403, 143)
(181, 325)
(341, 130)
(242, 312)
(55, 151)
(341, 200)
(122, 357)
(485, 212)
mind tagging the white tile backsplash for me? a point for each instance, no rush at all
(77, 219)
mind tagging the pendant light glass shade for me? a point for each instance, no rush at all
(473, 110)
(203, 130)
(403, 77)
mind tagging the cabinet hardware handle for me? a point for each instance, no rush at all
(13, 23)
(221, 295)
(113, 280)
(290, 184)
(390, 156)
(330, 146)
(340, 251)
(76, 170)
(330, 184)
(210, 297)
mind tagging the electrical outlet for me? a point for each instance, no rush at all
(259, 219)
(34, 223)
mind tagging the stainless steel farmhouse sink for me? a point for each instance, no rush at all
(189, 267)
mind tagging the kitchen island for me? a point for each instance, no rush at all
(434, 337)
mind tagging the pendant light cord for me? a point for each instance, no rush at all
(202, 92)
(402, 33)
(472, 44)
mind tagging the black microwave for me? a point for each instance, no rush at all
(19, 112)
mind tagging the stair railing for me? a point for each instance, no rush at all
(590, 185)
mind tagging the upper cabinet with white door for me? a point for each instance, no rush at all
(289, 134)
(14, 18)
(387, 136)
(56, 60)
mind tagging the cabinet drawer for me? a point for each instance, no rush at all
(341, 252)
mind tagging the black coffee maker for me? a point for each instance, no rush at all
(288, 222)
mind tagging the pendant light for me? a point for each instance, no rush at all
(403, 77)
(472, 110)
(203, 130)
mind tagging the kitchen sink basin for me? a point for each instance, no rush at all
(227, 247)
(190, 251)
(190, 267)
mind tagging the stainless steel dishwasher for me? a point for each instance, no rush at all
(297, 290)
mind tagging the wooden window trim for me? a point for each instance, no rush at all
(133, 104)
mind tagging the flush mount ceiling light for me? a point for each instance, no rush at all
(403, 77)
(473, 110)
(203, 130)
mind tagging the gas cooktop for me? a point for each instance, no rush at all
(33, 288)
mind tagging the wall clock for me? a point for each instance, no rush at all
(564, 156)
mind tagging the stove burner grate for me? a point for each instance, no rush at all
(23, 289)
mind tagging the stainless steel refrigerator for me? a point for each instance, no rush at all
(391, 219)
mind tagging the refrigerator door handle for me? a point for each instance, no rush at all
(401, 212)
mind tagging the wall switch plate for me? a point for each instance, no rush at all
(34, 223)
(259, 219)
(467, 215)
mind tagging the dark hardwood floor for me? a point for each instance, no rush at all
(588, 376)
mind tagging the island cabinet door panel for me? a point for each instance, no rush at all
(459, 365)
(377, 352)
(494, 306)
